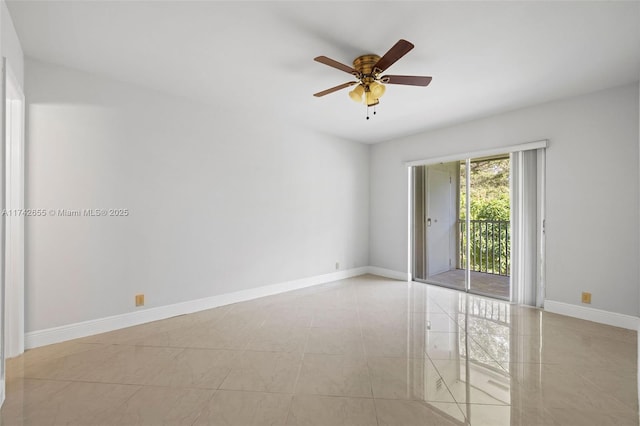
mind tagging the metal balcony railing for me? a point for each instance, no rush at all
(490, 243)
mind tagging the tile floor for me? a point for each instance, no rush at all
(362, 351)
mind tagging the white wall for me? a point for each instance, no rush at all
(592, 191)
(10, 44)
(219, 201)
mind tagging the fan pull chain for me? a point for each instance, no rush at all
(374, 111)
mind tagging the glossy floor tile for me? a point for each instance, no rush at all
(361, 351)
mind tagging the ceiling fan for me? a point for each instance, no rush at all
(367, 70)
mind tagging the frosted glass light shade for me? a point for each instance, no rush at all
(377, 89)
(370, 99)
(356, 94)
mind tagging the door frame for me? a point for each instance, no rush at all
(11, 163)
(14, 273)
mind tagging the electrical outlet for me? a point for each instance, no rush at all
(139, 299)
(586, 297)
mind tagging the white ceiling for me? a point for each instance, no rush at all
(485, 57)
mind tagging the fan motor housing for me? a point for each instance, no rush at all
(364, 64)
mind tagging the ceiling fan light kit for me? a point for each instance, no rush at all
(367, 70)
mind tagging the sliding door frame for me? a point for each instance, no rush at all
(466, 157)
(474, 154)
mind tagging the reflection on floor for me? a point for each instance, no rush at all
(365, 351)
(489, 284)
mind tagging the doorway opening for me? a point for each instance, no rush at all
(462, 225)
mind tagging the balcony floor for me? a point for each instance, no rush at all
(487, 284)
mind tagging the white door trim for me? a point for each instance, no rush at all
(3, 85)
(14, 224)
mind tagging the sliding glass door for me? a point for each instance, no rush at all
(489, 227)
(461, 232)
(436, 225)
(440, 221)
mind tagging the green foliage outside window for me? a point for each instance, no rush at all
(490, 214)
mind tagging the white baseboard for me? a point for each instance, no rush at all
(49, 336)
(591, 314)
(63, 333)
(389, 273)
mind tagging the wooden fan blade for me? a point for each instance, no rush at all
(334, 89)
(401, 48)
(335, 64)
(409, 80)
